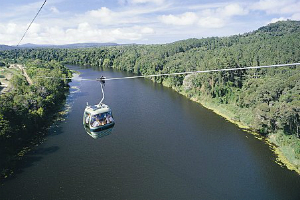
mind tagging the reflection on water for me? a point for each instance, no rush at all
(98, 134)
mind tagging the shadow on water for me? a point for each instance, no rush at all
(98, 134)
(44, 151)
(36, 154)
(55, 129)
(30, 160)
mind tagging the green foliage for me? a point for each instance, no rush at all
(2, 64)
(25, 109)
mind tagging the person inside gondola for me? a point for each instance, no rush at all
(102, 121)
(87, 119)
(96, 123)
(109, 119)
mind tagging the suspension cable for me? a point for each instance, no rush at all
(73, 79)
(31, 22)
(102, 84)
(177, 73)
(204, 71)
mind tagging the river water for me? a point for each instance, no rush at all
(163, 146)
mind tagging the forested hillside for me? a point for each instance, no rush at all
(28, 108)
(266, 100)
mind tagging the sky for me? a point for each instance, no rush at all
(136, 21)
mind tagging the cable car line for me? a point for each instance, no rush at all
(31, 22)
(204, 71)
(76, 79)
(177, 73)
(102, 83)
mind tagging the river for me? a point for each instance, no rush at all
(163, 146)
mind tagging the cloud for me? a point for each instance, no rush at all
(296, 16)
(191, 18)
(127, 34)
(211, 22)
(147, 30)
(225, 11)
(215, 17)
(278, 19)
(122, 2)
(35, 28)
(54, 10)
(7, 33)
(17, 11)
(11, 28)
(127, 16)
(84, 32)
(187, 18)
(141, 2)
(159, 2)
(31, 7)
(233, 10)
(102, 15)
(11, 33)
(284, 9)
(277, 6)
(206, 6)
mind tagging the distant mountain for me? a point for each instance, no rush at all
(5, 47)
(68, 46)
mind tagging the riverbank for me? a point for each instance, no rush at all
(283, 158)
(28, 111)
(12, 162)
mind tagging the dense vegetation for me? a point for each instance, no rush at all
(266, 100)
(27, 109)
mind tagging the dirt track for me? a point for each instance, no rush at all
(7, 74)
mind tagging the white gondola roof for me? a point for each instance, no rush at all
(97, 109)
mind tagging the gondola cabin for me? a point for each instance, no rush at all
(98, 120)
